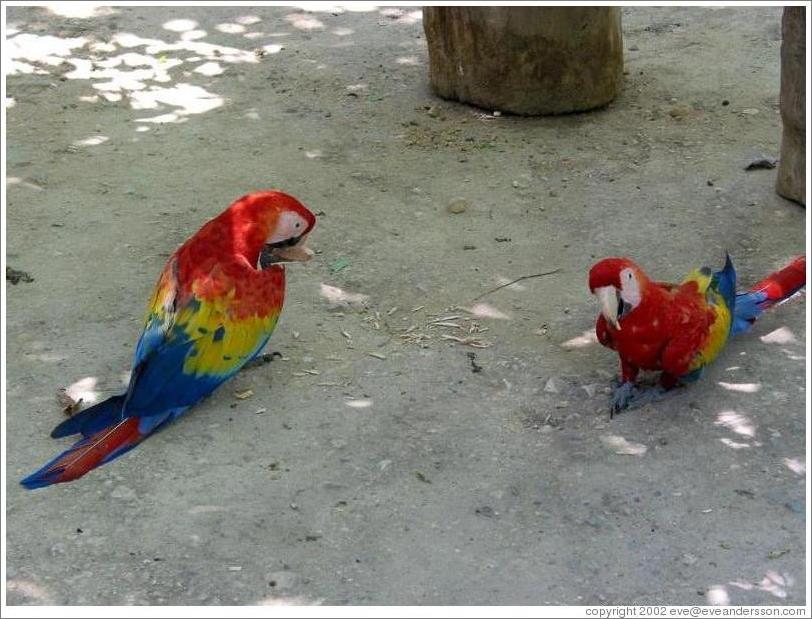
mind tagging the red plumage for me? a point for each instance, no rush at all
(662, 333)
(677, 329)
(215, 306)
(93, 451)
(785, 282)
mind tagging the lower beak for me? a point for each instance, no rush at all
(607, 295)
(294, 253)
(288, 253)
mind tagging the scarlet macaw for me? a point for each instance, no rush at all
(677, 329)
(213, 309)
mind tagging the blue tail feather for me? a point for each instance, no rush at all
(769, 292)
(749, 306)
(724, 282)
(91, 420)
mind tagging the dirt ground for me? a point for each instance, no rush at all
(416, 445)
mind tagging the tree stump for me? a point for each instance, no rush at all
(791, 181)
(525, 60)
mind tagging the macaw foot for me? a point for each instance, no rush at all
(262, 360)
(622, 394)
(627, 395)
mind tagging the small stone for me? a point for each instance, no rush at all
(689, 559)
(458, 205)
(750, 111)
(761, 163)
(283, 579)
(497, 113)
(622, 447)
(680, 111)
(485, 511)
(551, 386)
(634, 48)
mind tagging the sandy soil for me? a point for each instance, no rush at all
(375, 465)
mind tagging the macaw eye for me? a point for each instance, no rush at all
(298, 224)
(629, 276)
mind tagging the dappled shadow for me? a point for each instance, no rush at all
(302, 21)
(288, 600)
(334, 9)
(147, 73)
(741, 426)
(15, 180)
(359, 403)
(587, 338)
(781, 335)
(785, 337)
(623, 447)
(31, 592)
(736, 422)
(774, 583)
(740, 387)
(79, 10)
(796, 465)
(718, 596)
(486, 310)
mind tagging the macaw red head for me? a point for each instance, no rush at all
(272, 226)
(619, 285)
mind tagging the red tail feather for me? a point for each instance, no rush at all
(784, 283)
(87, 454)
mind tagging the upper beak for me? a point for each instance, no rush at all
(607, 295)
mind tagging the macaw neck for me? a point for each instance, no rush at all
(240, 235)
(249, 240)
(652, 296)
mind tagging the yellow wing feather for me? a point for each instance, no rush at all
(717, 334)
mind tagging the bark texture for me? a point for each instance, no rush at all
(791, 182)
(525, 60)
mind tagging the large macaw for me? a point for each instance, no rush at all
(213, 309)
(677, 329)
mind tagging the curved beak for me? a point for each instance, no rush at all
(607, 295)
(289, 250)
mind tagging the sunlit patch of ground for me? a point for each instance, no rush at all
(146, 79)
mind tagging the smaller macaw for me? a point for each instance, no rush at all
(213, 309)
(677, 329)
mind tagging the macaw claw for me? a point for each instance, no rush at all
(627, 395)
(262, 359)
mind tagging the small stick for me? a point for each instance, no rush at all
(518, 279)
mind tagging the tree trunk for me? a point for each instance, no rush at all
(791, 181)
(525, 60)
